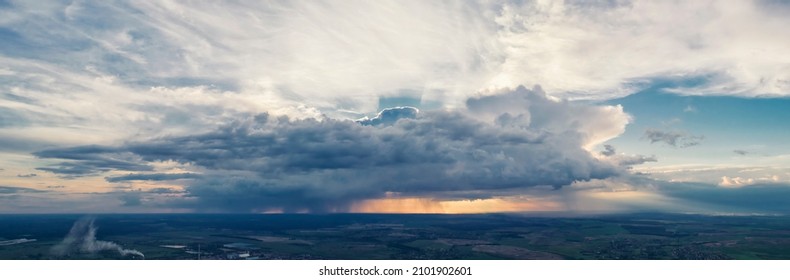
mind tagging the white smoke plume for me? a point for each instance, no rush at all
(82, 239)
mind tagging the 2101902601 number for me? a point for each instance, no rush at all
(441, 270)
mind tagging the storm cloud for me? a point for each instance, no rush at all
(512, 139)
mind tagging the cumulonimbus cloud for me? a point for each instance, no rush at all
(503, 140)
(170, 68)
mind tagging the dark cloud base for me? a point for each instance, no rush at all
(510, 140)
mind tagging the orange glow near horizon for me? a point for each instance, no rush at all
(431, 206)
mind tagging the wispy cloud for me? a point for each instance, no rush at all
(16, 190)
(152, 177)
(354, 52)
(88, 160)
(609, 150)
(740, 152)
(610, 153)
(676, 139)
